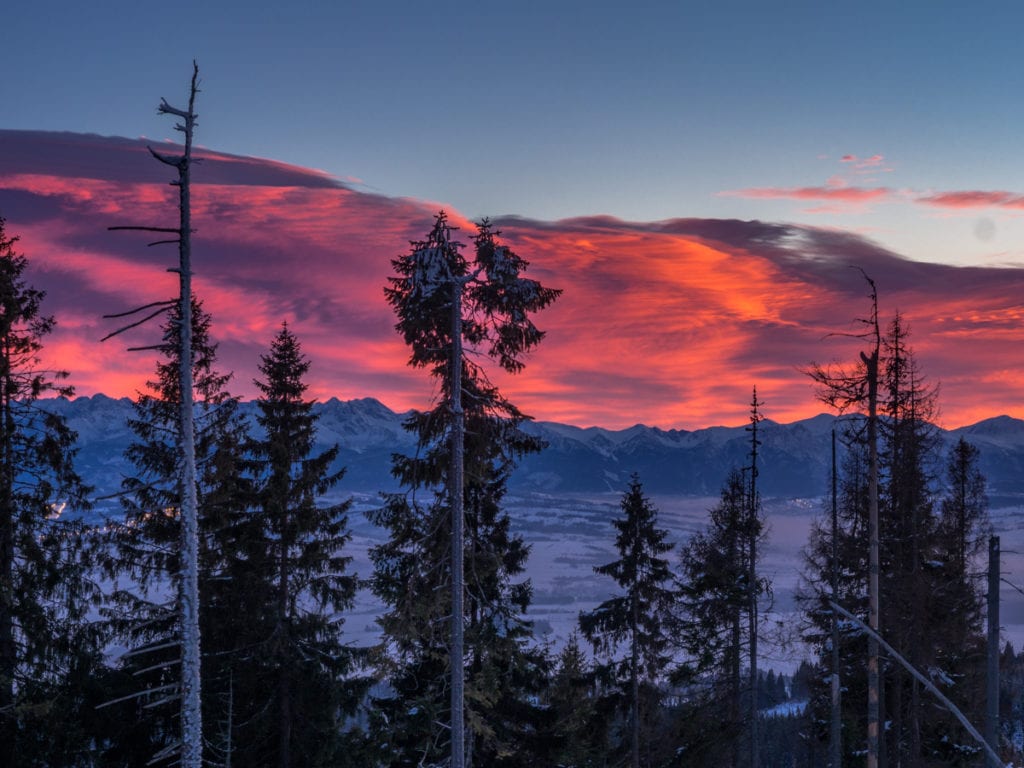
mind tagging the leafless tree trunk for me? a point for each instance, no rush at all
(8, 642)
(752, 586)
(455, 491)
(874, 674)
(923, 681)
(191, 711)
(191, 747)
(284, 688)
(634, 674)
(992, 670)
(835, 732)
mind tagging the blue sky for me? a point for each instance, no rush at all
(558, 109)
(857, 133)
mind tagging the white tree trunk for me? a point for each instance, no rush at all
(455, 494)
(191, 711)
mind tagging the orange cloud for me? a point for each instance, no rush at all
(668, 323)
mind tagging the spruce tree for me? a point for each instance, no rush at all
(301, 691)
(413, 572)
(930, 609)
(576, 732)
(964, 509)
(717, 594)
(49, 648)
(628, 631)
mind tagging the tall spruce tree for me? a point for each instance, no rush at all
(413, 569)
(48, 646)
(628, 631)
(301, 584)
(925, 580)
(718, 590)
(858, 388)
(964, 510)
(907, 528)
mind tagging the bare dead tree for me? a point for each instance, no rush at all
(844, 390)
(190, 747)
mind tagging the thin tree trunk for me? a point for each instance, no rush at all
(874, 673)
(924, 681)
(736, 682)
(755, 760)
(8, 649)
(191, 710)
(992, 669)
(634, 676)
(455, 492)
(835, 731)
(284, 690)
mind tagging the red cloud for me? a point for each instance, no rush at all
(668, 323)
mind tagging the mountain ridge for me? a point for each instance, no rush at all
(794, 458)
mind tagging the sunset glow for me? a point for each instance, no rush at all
(667, 323)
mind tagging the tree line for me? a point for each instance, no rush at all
(662, 673)
(94, 627)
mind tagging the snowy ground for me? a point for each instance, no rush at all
(570, 534)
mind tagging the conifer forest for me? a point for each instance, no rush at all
(205, 621)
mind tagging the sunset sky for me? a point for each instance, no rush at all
(698, 177)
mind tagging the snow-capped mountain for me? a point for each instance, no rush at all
(793, 458)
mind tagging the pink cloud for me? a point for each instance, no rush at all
(974, 199)
(835, 190)
(866, 164)
(667, 323)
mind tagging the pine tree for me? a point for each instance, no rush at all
(300, 581)
(413, 571)
(48, 647)
(634, 622)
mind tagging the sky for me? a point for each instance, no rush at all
(699, 178)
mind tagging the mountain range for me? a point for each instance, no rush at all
(794, 459)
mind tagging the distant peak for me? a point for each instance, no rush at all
(996, 425)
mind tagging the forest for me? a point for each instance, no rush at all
(205, 624)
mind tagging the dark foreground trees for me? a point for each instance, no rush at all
(145, 559)
(630, 631)
(929, 604)
(49, 647)
(413, 569)
(719, 590)
(298, 685)
(272, 573)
